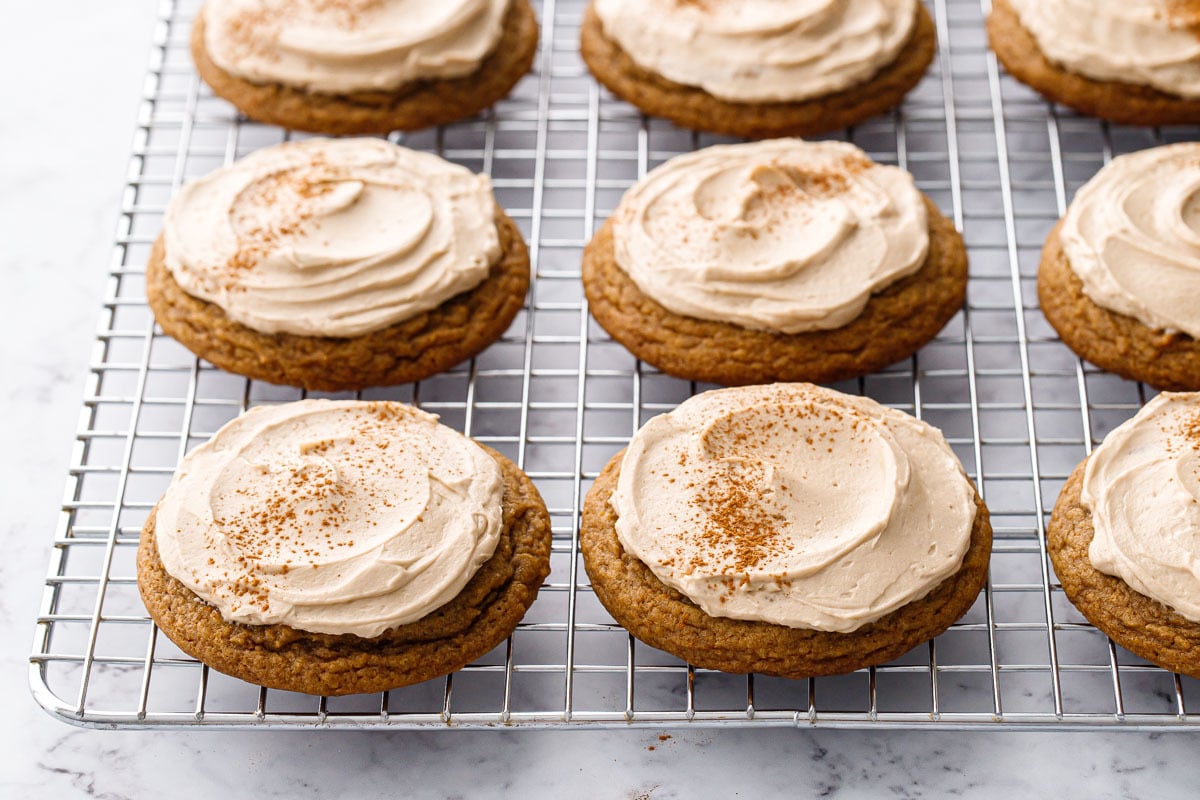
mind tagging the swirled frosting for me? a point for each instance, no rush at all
(331, 237)
(339, 46)
(331, 517)
(794, 504)
(782, 235)
(1142, 485)
(1132, 235)
(1148, 42)
(756, 51)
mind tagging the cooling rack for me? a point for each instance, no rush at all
(557, 396)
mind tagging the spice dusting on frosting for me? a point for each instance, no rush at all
(255, 31)
(793, 504)
(299, 513)
(1191, 430)
(327, 237)
(740, 529)
(1182, 13)
(781, 235)
(348, 46)
(277, 209)
(334, 517)
(1154, 43)
(753, 51)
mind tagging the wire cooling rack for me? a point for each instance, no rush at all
(559, 397)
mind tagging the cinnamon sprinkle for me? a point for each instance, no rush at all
(734, 528)
(255, 31)
(301, 514)
(1181, 13)
(1186, 434)
(293, 190)
(740, 529)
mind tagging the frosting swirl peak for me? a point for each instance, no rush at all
(756, 51)
(341, 46)
(331, 517)
(1142, 485)
(782, 235)
(1132, 235)
(331, 237)
(794, 504)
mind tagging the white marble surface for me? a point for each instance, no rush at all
(70, 75)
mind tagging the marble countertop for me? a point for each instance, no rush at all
(71, 77)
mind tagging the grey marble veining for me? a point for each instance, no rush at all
(71, 75)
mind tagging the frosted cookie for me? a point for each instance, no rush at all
(1120, 273)
(1135, 63)
(363, 66)
(337, 264)
(342, 547)
(755, 68)
(785, 529)
(1125, 534)
(780, 260)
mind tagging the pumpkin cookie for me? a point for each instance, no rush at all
(291, 559)
(764, 529)
(1132, 63)
(1119, 281)
(1122, 534)
(774, 261)
(337, 265)
(756, 69)
(363, 66)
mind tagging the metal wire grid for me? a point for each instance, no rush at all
(559, 397)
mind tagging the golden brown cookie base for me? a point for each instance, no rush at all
(894, 324)
(1109, 340)
(1143, 626)
(483, 614)
(410, 350)
(691, 107)
(664, 618)
(414, 106)
(1126, 103)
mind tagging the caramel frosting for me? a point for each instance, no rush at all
(761, 51)
(1148, 42)
(1132, 235)
(330, 517)
(331, 237)
(343, 46)
(1142, 486)
(782, 235)
(795, 505)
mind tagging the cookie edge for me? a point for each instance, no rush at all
(421, 660)
(1112, 341)
(418, 105)
(754, 356)
(326, 366)
(695, 109)
(1140, 624)
(1123, 103)
(877, 644)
